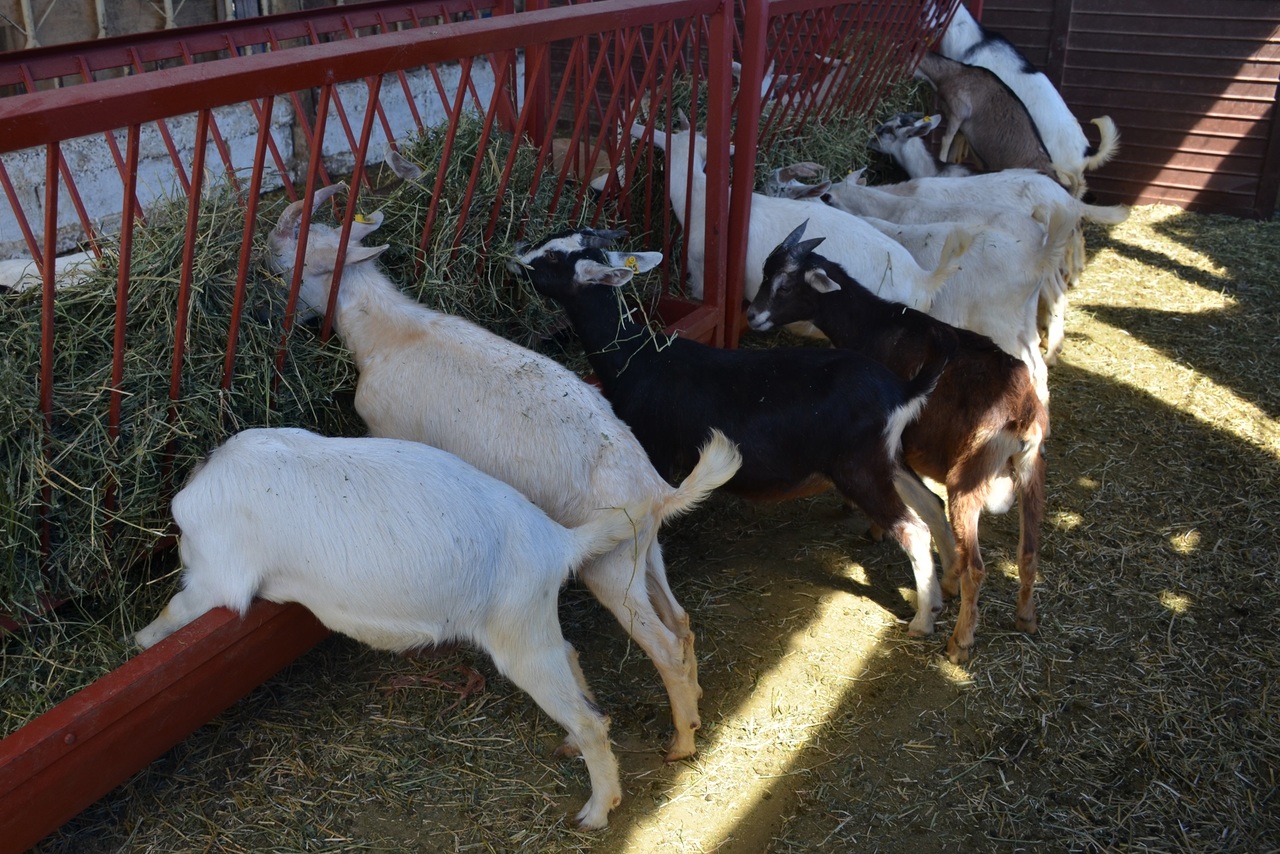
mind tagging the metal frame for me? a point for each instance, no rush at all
(135, 713)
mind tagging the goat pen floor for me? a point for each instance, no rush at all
(1142, 716)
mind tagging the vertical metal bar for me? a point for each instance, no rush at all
(129, 208)
(719, 128)
(445, 155)
(164, 132)
(184, 278)
(537, 88)
(375, 87)
(246, 244)
(218, 141)
(314, 169)
(745, 139)
(477, 165)
(52, 154)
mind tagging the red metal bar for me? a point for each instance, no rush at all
(246, 247)
(35, 118)
(64, 60)
(84, 747)
(746, 135)
(719, 128)
(128, 210)
(313, 172)
(366, 130)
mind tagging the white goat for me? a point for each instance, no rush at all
(902, 138)
(969, 42)
(20, 274)
(400, 546)
(1013, 191)
(522, 418)
(997, 290)
(880, 263)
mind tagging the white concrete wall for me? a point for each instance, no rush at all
(102, 191)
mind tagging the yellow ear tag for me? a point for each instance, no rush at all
(632, 264)
(362, 219)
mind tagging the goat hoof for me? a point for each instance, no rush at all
(680, 751)
(595, 816)
(567, 749)
(956, 653)
(1029, 626)
(921, 626)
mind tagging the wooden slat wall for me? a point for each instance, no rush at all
(1192, 88)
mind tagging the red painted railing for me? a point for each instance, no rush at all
(584, 72)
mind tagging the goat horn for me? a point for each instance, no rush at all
(292, 215)
(599, 239)
(791, 240)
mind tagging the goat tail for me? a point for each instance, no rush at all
(943, 345)
(718, 461)
(1108, 143)
(605, 528)
(958, 241)
(1105, 214)
(1059, 223)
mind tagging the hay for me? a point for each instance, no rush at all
(92, 543)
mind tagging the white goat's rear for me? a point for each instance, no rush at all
(1017, 192)
(398, 545)
(886, 267)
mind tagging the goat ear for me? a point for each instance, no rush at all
(590, 272)
(925, 124)
(360, 254)
(403, 168)
(805, 247)
(598, 238)
(815, 191)
(637, 262)
(682, 122)
(820, 281)
(364, 225)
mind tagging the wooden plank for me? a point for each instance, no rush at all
(84, 747)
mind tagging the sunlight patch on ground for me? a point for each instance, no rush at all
(1178, 603)
(1186, 542)
(748, 750)
(1066, 520)
(1179, 386)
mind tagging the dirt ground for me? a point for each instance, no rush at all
(1142, 716)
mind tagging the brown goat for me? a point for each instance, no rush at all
(995, 123)
(980, 432)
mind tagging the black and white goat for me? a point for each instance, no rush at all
(979, 433)
(967, 41)
(804, 419)
(997, 126)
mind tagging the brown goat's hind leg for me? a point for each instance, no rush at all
(965, 508)
(1031, 506)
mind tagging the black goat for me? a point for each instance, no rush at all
(804, 419)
